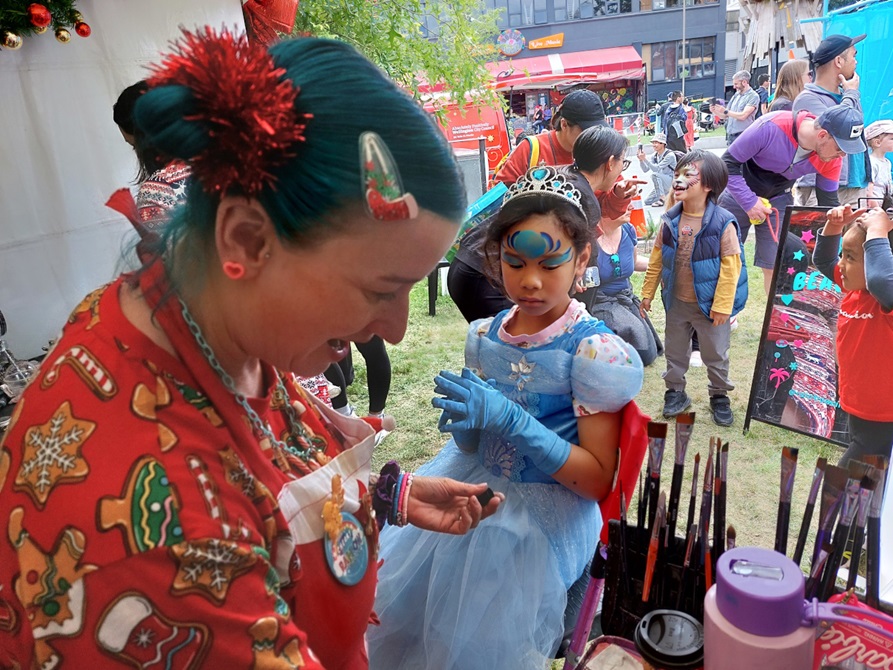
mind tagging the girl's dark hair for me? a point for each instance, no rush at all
(323, 177)
(570, 219)
(150, 159)
(122, 110)
(714, 174)
(596, 145)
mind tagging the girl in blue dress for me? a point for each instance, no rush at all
(543, 431)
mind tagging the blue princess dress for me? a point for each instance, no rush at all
(495, 598)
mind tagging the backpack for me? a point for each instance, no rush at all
(534, 157)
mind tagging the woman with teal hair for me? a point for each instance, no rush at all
(170, 489)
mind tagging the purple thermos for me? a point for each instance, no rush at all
(753, 615)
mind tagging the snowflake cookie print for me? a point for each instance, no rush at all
(52, 454)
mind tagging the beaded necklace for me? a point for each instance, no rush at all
(300, 442)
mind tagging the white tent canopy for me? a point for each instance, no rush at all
(63, 156)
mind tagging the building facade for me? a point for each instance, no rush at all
(655, 28)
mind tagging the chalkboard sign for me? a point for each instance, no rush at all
(795, 375)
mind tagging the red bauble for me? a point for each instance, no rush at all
(39, 15)
(82, 29)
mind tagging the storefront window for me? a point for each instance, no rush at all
(669, 62)
(670, 4)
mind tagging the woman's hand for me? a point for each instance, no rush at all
(627, 188)
(646, 305)
(447, 506)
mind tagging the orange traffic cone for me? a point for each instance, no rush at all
(637, 214)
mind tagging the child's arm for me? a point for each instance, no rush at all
(724, 298)
(879, 258)
(827, 244)
(652, 273)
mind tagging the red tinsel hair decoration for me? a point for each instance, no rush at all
(243, 99)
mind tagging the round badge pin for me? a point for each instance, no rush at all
(348, 556)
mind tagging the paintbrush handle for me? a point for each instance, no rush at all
(692, 502)
(873, 556)
(856, 556)
(675, 492)
(804, 531)
(653, 494)
(719, 519)
(829, 579)
(781, 527)
(649, 569)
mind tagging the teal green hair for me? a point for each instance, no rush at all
(346, 96)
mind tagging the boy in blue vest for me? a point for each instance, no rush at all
(697, 261)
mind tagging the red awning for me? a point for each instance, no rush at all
(597, 65)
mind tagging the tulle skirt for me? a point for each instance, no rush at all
(491, 599)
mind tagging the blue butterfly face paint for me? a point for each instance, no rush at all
(534, 246)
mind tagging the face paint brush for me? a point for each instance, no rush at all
(815, 573)
(783, 521)
(719, 501)
(856, 471)
(832, 496)
(654, 546)
(657, 440)
(685, 424)
(583, 627)
(866, 493)
(640, 512)
(694, 492)
(873, 550)
(817, 476)
(683, 578)
(706, 506)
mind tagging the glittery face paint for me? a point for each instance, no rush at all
(534, 246)
(689, 176)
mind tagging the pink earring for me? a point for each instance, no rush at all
(233, 270)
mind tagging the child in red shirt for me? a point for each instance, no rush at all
(865, 323)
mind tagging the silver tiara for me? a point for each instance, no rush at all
(545, 180)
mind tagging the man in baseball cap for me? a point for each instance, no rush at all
(836, 83)
(833, 46)
(844, 125)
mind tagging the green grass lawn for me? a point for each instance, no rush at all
(435, 343)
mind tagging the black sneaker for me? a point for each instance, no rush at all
(721, 407)
(675, 402)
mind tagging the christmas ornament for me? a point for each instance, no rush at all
(63, 35)
(40, 30)
(39, 15)
(82, 29)
(10, 40)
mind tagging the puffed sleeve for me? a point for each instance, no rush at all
(606, 374)
(477, 330)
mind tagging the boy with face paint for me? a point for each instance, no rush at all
(703, 282)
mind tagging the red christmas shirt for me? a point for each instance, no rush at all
(142, 520)
(865, 370)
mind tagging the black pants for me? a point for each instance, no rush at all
(677, 144)
(473, 293)
(378, 375)
(868, 437)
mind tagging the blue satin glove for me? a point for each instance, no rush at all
(472, 404)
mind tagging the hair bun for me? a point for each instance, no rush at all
(164, 118)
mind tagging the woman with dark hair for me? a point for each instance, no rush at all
(162, 180)
(614, 256)
(200, 506)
